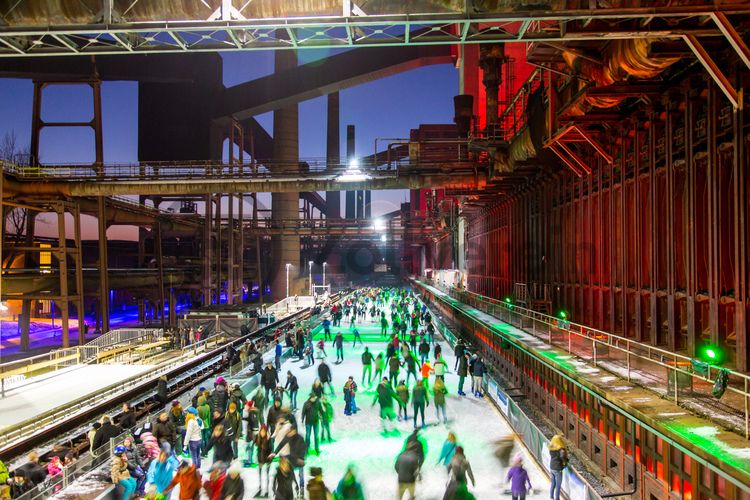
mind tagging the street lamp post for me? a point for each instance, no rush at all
(311, 284)
(287, 279)
(324, 273)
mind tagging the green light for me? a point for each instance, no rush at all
(711, 354)
(563, 315)
(508, 300)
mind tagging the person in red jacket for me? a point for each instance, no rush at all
(189, 480)
(215, 481)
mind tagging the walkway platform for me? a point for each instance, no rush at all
(704, 437)
(42, 394)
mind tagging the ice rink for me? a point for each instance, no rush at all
(358, 439)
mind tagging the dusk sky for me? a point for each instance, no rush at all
(388, 107)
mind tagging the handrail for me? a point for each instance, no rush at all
(600, 341)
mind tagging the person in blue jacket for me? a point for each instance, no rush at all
(161, 472)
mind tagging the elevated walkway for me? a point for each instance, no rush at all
(644, 390)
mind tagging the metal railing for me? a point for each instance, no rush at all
(15, 372)
(620, 355)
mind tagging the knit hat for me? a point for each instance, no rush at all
(175, 403)
(232, 405)
(316, 471)
(219, 379)
(192, 410)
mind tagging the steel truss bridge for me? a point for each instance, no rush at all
(137, 26)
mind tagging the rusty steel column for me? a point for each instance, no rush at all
(207, 250)
(160, 266)
(80, 294)
(285, 206)
(218, 256)
(62, 257)
(141, 265)
(671, 108)
(103, 265)
(692, 96)
(25, 321)
(333, 154)
(241, 246)
(638, 134)
(740, 237)
(653, 215)
(714, 271)
(230, 249)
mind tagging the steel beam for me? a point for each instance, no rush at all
(153, 36)
(713, 70)
(734, 38)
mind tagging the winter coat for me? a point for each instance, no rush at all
(367, 358)
(222, 446)
(311, 412)
(127, 420)
(284, 485)
(440, 367)
(394, 364)
(324, 373)
(160, 474)
(35, 473)
(106, 432)
(161, 390)
(219, 399)
(193, 431)
(177, 419)
(459, 466)
(278, 436)
(407, 467)
(269, 377)
(463, 367)
(233, 488)
(237, 397)
(253, 422)
(419, 395)
(150, 444)
(233, 421)
(264, 448)
(519, 480)
(403, 394)
(317, 489)
(338, 340)
(273, 415)
(291, 384)
(558, 459)
(424, 348)
(204, 411)
(326, 414)
(297, 449)
(478, 369)
(349, 490)
(447, 452)
(18, 489)
(165, 432)
(384, 395)
(438, 392)
(3, 473)
(119, 470)
(190, 484)
(214, 485)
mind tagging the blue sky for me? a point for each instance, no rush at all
(388, 107)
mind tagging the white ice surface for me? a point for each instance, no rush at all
(24, 403)
(358, 438)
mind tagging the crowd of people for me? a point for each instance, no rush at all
(271, 426)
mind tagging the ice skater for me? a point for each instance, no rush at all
(338, 343)
(385, 397)
(356, 338)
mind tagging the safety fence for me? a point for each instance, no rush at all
(573, 485)
(668, 373)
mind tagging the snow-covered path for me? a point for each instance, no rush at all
(358, 439)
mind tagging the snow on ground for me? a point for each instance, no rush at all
(32, 399)
(358, 439)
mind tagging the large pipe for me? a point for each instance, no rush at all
(435, 178)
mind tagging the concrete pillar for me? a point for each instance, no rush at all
(351, 207)
(333, 154)
(285, 206)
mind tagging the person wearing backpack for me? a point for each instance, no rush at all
(558, 461)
